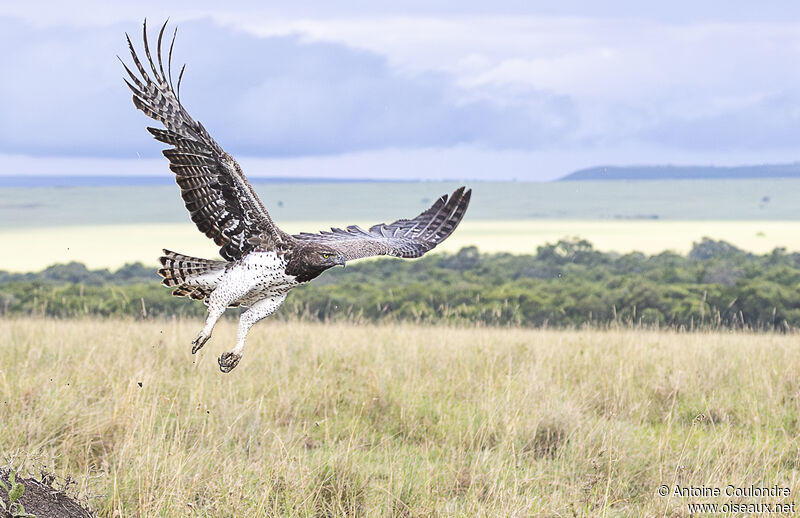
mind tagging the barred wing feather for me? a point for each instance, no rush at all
(406, 238)
(215, 191)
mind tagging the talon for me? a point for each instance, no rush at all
(199, 342)
(228, 360)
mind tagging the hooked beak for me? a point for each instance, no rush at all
(340, 260)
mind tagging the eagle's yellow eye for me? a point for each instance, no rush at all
(325, 256)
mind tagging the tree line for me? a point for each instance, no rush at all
(565, 284)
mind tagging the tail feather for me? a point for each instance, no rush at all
(191, 292)
(192, 276)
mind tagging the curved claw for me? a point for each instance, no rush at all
(199, 342)
(228, 361)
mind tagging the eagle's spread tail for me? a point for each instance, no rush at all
(193, 277)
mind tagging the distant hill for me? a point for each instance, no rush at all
(669, 172)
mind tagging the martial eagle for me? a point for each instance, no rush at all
(262, 262)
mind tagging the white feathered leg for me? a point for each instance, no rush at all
(214, 312)
(219, 300)
(261, 309)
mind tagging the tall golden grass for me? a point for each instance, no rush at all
(399, 420)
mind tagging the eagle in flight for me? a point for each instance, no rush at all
(261, 262)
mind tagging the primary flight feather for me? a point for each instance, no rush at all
(262, 262)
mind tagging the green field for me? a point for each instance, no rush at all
(683, 200)
(399, 420)
(110, 226)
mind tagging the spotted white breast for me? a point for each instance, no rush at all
(258, 275)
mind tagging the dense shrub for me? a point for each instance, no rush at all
(564, 284)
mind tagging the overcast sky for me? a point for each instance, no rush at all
(414, 89)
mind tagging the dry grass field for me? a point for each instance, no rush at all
(111, 246)
(337, 419)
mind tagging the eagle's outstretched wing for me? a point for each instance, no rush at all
(403, 238)
(214, 189)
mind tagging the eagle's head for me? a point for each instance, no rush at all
(325, 257)
(309, 260)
